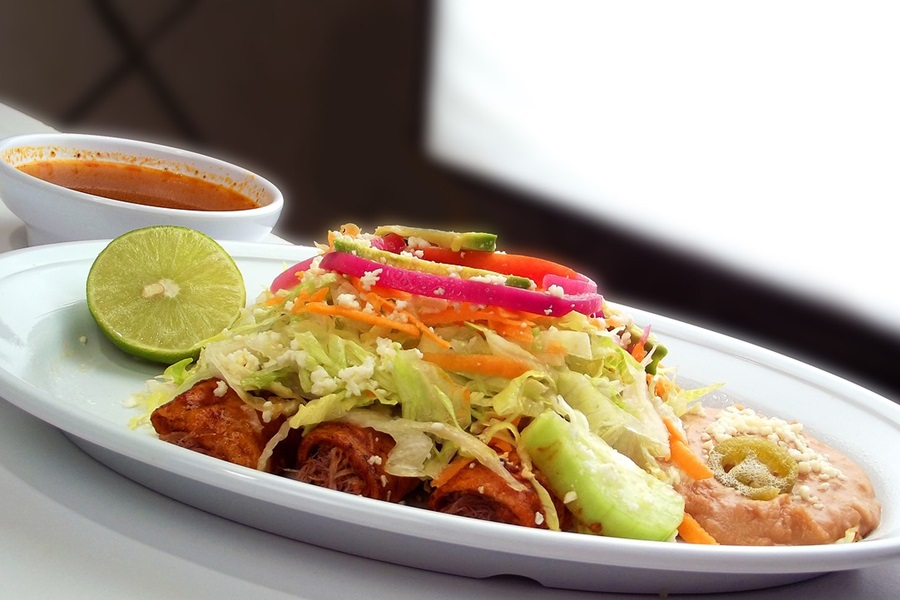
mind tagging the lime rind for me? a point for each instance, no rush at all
(159, 292)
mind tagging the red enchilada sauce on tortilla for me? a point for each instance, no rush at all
(138, 184)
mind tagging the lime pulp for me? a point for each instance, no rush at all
(159, 292)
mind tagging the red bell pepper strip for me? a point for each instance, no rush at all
(531, 267)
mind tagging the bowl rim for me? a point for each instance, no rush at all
(162, 151)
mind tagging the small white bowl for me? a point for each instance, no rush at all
(53, 213)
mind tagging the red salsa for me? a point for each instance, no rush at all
(138, 184)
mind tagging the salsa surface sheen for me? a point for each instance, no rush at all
(138, 184)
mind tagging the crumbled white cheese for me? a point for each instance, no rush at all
(267, 411)
(495, 279)
(386, 348)
(556, 290)
(243, 358)
(359, 377)
(370, 278)
(314, 269)
(322, 383)
(347, 301)
(293, 357)
(570, 496)
(359, 240)
(221, 389)
(398, 316)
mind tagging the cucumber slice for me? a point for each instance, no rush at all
(610, 495)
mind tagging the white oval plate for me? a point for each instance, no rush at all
(57, 366)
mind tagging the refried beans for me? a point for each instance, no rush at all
(832, 500)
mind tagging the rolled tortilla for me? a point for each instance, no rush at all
(349, 458)
(476, 491)
(211, 418)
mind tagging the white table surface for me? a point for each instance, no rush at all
(72, 528)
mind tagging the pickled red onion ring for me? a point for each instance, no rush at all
(462, 290)
(290, 276)
(582, 285)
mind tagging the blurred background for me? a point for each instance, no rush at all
(731, 167)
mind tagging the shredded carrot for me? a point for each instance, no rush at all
(500, 444)
(302, 298)
(379, 291)
(358, 315)
(380, 300)
(317, 296)
(456, 465)
(375, 300)
(513, 331)
(511, 324)
(674, 431)
(663, 386)
(427, 331)
(450, 316)
(466, 312)
(687, 461)
(682, 456)
(692, 532)
(486, 364)
(274, 300)
(638, 351)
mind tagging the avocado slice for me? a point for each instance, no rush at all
(405, 261)
(471, 240)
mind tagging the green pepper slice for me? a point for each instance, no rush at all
(756, 467)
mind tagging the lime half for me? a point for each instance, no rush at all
(160, 292)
